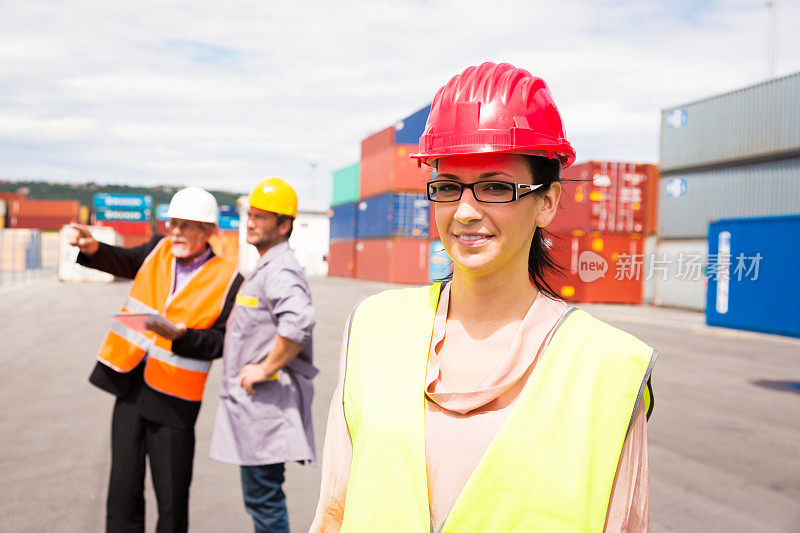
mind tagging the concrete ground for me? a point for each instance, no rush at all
(724, 438)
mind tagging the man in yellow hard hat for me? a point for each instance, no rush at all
(264, 414)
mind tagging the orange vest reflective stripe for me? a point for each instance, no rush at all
(197, 304)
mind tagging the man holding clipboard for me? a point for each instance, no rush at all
(157, 354)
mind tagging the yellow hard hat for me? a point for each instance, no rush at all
(274, 194)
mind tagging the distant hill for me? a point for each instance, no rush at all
(43, 190)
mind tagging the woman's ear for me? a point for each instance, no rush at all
(548, 204)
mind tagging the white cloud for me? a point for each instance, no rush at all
(222, 94)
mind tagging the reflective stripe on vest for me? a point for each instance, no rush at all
(198, 304)
(551, 466)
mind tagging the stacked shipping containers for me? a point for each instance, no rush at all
(128, 214)
(46, 215)
(732, 155)
(606, 211)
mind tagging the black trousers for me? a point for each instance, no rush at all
(171, 453)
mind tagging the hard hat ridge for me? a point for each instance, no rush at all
(494, 108)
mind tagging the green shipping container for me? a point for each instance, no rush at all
(345, 185)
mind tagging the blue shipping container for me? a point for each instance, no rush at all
(123, 201)
(126, 215)
(752, 280)
(226, 222)
(440, 266)
(228, 210)
(411, 128)
(343, 222)
(161, 212)
(393, 215)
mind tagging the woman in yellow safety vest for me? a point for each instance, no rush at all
(486, 403)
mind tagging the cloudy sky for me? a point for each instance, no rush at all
(221, 94)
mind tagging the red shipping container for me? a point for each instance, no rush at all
(11, 196)
(387, 167)
(433, 229)
(619, 197)
(45, 223)
(399, 260)
(127, 227)
(342, 259)
(161, 227)
(46, 208)
(600, 267)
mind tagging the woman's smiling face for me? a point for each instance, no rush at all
(486, 238)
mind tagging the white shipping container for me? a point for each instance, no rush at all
(69, 270)
(678, 273)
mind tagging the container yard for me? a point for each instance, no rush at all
(190, 372)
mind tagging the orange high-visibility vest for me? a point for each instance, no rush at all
(197, 304)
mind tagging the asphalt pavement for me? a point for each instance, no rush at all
(724, 438)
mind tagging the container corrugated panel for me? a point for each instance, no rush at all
(45, 208)
(344, 222)
(393, 215)
(752, 122)
(440, 266)
(600, 267)
(377, 142)
(755, 286)
(679, 273)
(393, 260)
(123, 201)
(346, 185)
(342, 259)
(10, 196)
(130, 215)
(688, 202)
(391, 169)
(410, 129)
(161, 211)
(40, 222)
(127, 228)
(610, 196)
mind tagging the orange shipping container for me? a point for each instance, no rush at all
(46, 208)
(342, 259)
(387, 167)
(129, 241)
(10, 196)
(399, 260)
(619, 197)
(225, 244)
(601, 267)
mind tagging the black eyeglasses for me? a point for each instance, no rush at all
(493, 192)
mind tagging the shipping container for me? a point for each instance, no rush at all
(3, 214)
(440, 266)
(411, 128)
(758, 121)
(51, 249)
(129, 241)
(228, 223)
(161, 212)
(678, 272)
(226, 245)
(399, 260)
(345, 187)
(122, 201)
(39, 222)
(599, 267)
(45, 208)
(129, 215)
(342, 259)
(310, 240)
(753, 285)
(228, 210)
(7, 196)
(344, 220)
(69, 270)
(689, 201)
(84, 214)
(20, 249)
(161, 227)
(391, 169)
(127, 228)
(433, 229)
(610, 196)
(393, 215)
(649, 288)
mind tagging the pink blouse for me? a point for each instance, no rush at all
(468, 420)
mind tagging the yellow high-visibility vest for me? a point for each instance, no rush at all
(197, 304)
(551, 466)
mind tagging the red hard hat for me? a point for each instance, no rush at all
(494, 109)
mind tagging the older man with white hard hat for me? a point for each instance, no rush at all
(157, 354)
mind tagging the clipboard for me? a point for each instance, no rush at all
(139, 321)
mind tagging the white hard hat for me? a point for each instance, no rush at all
(194, 203)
